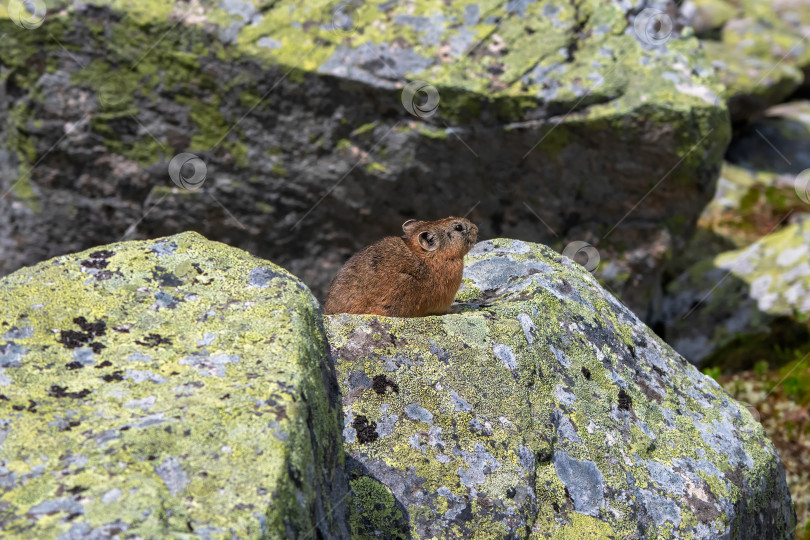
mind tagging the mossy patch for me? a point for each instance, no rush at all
(544, 405)
(166, 387)
(741, 302)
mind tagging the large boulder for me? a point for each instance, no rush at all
(556, 121)
(544, 408)
(759, 49)
(779, 142)
(165, 389)
(744, 305)
(714, 309)
(747, 205)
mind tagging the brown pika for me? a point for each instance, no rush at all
(414, 275)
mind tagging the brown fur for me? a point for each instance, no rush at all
(414, 275)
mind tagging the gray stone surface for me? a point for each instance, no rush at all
(598, 430)
(566, 112)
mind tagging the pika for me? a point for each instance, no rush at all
(414, 275)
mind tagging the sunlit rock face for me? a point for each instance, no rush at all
(543, 407)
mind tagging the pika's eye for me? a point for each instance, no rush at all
(459, 227)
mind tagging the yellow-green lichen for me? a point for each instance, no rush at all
(163, 387)
(543, 405)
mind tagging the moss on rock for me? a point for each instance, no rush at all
(758, 48)
(533, 96)
(166, 388)
(543, 408)
(712, 310)
(746, 302)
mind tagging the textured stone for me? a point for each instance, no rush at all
(759, 49)
(708, 16)
(748, 204)
(212, 416)
(599, 429)
(729, 302)
(580, 114)
(763, 189)
(776, 143)
(752, 83)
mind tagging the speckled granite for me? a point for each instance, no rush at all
(544, 409)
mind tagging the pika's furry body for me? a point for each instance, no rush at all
(414, 275)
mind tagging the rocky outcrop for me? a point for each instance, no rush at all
(779, 142)
(717, 308)
(744, 303)
(589, 121)
(747, 205)
(542, 408)
(180, 387)
(164, 389)
(759, 49)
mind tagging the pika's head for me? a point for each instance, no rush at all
(450, 237)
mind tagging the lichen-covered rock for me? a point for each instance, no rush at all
(752, 83)
(786, 30)
(166, 389)
(708, 16)
(759, 49)
(747, 205)
(742, 302)
(543, 409)
(763, 188)
(569, 112)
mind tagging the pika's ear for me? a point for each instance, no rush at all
(428, 241)
(409, 225)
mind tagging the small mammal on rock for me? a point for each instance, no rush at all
(414, 275)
